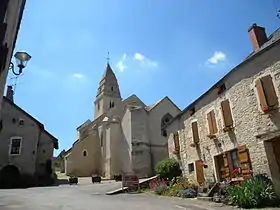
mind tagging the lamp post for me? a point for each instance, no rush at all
(21, 59)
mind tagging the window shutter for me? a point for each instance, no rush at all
(214, 123)
(3, 28)
(244, 161)
(210, 125)
(260, 92)
(176, 142)
(226, 172)
(195, 132)
(269, 91)
(3, 56)
(227, 113)
(3, 9)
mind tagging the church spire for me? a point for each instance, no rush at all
(108, 94)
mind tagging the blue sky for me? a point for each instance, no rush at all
(176, 48)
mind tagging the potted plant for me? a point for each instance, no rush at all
(73, 179)
(265, 108)
(95, 178)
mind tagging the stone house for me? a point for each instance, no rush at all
(11, 12)
(236, 123)
(125, 136)
(59, 163)
(26, 148)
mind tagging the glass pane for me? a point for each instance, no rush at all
(234, 158)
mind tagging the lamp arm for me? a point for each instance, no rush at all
(12, 67)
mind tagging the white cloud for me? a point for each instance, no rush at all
(120, 66)
(144, 60)
(139, 57)
(124, 56)
(217, 57)
(78, 76)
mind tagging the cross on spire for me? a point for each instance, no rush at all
(108, 57)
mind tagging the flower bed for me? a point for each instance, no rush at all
(254, 192)
(179, 187)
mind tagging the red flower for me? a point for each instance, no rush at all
(265, 108)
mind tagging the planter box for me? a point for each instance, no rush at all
(73, 180)
(96, 178)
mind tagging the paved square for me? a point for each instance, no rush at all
(87, 196)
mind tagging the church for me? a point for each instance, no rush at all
(124, 136)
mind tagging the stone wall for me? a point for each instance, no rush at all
(250, 122)
(12, 19)
(158, 141)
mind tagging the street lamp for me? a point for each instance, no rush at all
(21, 59)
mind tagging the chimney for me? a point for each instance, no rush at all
(257, 36)
(10, 93)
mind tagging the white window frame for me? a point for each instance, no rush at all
(11, 140)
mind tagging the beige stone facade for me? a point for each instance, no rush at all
(125, 136)
(242, 132)
(24, 143)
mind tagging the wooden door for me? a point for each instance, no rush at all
(244, 161)
(199, 172)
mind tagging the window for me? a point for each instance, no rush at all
(84, 153)
(164, 133)
(192, 111)
(266, 92)
(176, 142)
(101, 140)
(221, 89)
(195, 132)
(234, 159)
(212, 124)
(191, 168)
(15, 147)
(112, 88)
(227, 116)
(111, 105)
(98, 105)
(166, 119)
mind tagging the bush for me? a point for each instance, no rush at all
(161, 189)
(254, 192)
(168, 169)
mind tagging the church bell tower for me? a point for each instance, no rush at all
(108, 93)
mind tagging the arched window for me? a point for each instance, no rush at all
(166, 119)
(84, 153)
(101, 140)
(111, 105)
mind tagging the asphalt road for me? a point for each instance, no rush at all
(87, 196)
